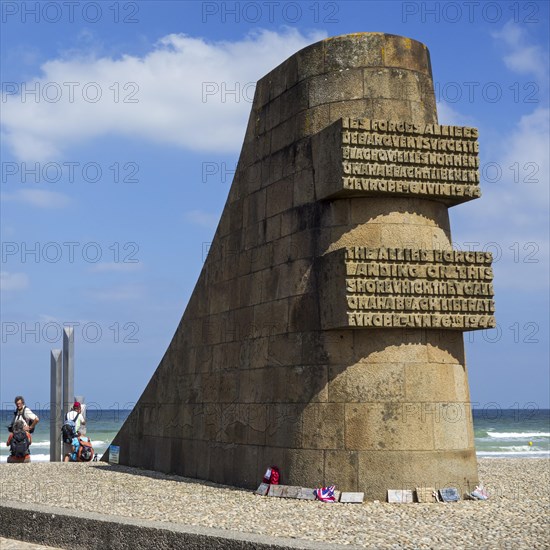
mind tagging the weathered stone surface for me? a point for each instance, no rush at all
(269, 364)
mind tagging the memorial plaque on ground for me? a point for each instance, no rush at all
(306, 494)
(400, 495)
(362, 157)
(449, 494)
(349, 498)
(426, 494)
(284, 491)
(262, 489)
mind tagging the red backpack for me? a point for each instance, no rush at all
(272, 475)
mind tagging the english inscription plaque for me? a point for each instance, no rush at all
(408, 288)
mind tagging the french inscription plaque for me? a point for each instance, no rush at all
(363, 157)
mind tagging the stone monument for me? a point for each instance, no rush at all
(325, 332)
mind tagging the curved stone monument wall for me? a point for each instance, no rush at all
(324, 334)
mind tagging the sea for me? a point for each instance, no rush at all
(499, 433)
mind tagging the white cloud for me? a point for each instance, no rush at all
(511, 218)
(522, 57)
(13, 281)
(446, 115)
(39, 198)
(158, 97)
(202, 218)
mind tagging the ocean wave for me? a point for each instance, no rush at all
(517, 435)
(34, 458)
(519, 454)
(46, 444)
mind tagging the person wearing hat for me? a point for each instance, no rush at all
(75, 414)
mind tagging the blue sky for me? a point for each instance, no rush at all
(122, 123)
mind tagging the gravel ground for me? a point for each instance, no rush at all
(10, 544)
(516, 515)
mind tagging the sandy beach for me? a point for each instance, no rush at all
(515, 516)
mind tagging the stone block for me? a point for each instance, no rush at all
(436, 382)
(393, 83)
(283, 135)
(254, 387)
(400, 496)
(341, 469)
(387, 426)
(338, 347)
(304, 313)
(423, 111)
(451, 426)
(357, 108)
(353, 51)
(323, 426)
(312, 121)
(306, 494)
(301, 246)
(352, 498)
(257, 424)
(271, 318)
(309, 63)
(281, 250)
(221, 458)
(294, 278)
(212, 421)
(284, 491)
(262, 489)
(229, 389)
(303, 190)
(234, 423)
(303, 384)
(395, 346)
(284, 425)
(304, 467)
(254, 207)
(399, 51)
(364, 382)
(294, 100)
(201, 454)
(273, 228)
(336, 86)
(284, 349)
(391, 109)
(280, 196)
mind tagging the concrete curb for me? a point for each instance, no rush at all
(68, 528)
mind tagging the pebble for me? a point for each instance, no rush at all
(516, 511)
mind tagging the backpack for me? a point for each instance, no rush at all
(19, 416)
(68, 431)
(272, 475)
(19, 446)
(85, 451)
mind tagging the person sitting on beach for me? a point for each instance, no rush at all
(19, 442)
(82, 450)
(24, 414)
